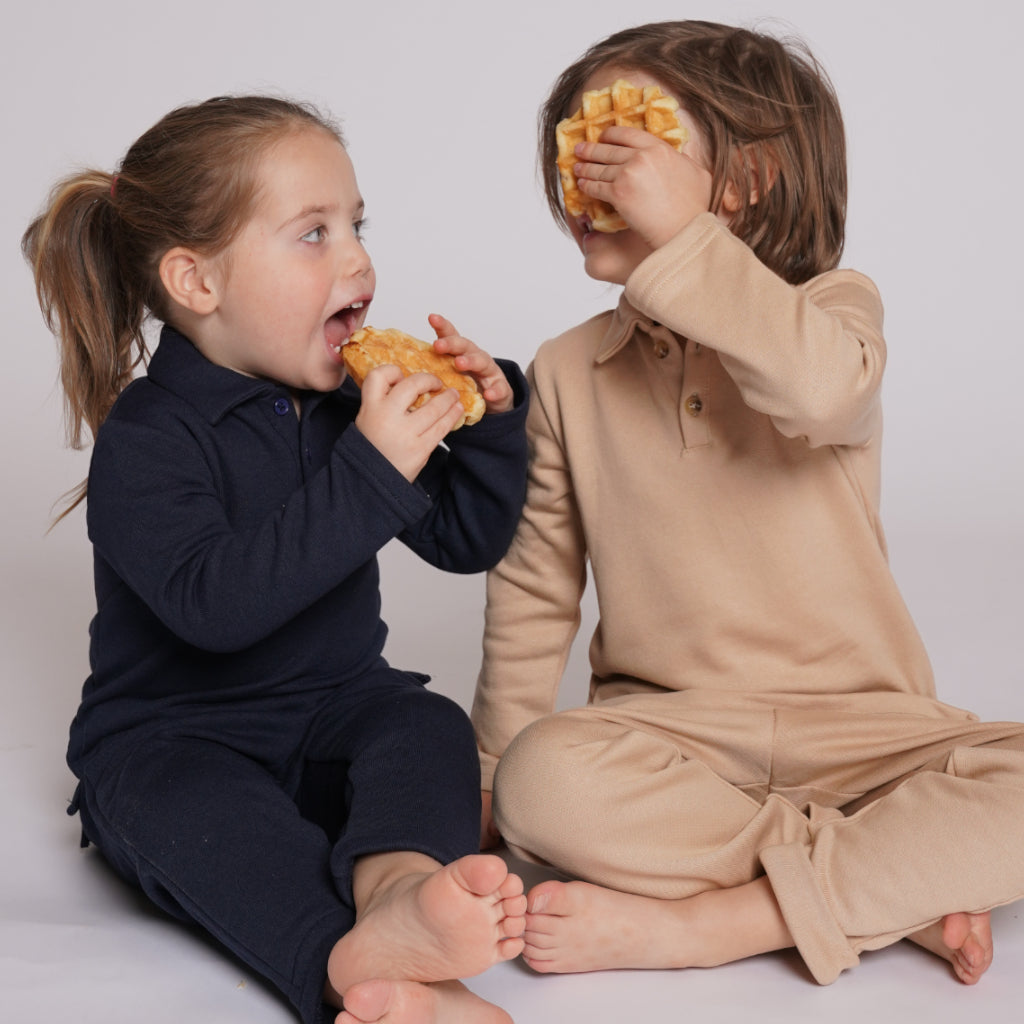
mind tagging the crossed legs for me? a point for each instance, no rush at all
(675, 852)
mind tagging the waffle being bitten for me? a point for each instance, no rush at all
(620, 104)
(370, 347)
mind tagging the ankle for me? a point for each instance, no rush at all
(375, 874)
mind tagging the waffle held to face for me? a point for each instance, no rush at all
(620, 104)
(370, 347)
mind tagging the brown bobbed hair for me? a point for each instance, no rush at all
(191, 180)
(771, 121)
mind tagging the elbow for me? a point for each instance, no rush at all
(214, 634)
(851, 420)
(214, 624)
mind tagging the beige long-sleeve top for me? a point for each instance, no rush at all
(711, 449)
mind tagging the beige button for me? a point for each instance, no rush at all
(694, 405)
(661, 348)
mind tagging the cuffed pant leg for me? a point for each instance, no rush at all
(939, 843)
(212, 839)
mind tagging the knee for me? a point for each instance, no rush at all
(426, 716)
(542, 785)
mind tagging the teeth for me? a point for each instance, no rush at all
(356, 305)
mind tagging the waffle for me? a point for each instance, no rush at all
(370, 347)
(620, 104)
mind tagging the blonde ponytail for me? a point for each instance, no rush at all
(86, 302)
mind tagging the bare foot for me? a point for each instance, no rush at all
(407, 1002)
(576, 926)
(965, 940)
(451, 923)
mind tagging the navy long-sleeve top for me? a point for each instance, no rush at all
(235, 543)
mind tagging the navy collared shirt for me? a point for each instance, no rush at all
(235, 543)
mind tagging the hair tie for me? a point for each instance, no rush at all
(113, 186)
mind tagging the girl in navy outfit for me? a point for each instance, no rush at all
(244, 752)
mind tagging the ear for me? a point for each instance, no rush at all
(190, 280)
(752, 168)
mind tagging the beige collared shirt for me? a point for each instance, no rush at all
(709, 452)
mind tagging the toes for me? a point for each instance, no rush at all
(955, 930)
(511, 887)
(366, 1002)
(514, 907)
(480, 874)
(969, 939)
(972, 953)
(537, 945)
(513, 927)
(547, 898)
(509, 949)
(541, 966)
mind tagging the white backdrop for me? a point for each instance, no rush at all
(438, 102)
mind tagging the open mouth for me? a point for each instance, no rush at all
(341, 325)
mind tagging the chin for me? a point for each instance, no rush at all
(613, 263)
(599, 270)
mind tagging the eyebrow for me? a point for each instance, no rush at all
(317, 210)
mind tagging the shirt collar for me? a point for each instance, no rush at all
(625, 321)
(179, 367)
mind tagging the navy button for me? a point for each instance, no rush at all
(281, 407)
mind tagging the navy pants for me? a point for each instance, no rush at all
(262, 858)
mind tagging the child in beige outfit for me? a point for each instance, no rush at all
(763, 762)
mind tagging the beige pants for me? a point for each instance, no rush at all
(873, 814)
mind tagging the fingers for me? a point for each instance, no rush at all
(449, 341)
(406, 437)
(442, 412)
(656, 189)
(471, 359)
(443, 328)
(618, 150)
(617, 145)
(389, 383)
(468, 357)
(380, 380)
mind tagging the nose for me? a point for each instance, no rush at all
(357, 262)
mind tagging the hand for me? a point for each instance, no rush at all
(496, 390)
(656, 190)
(405, 437)
(490, 837)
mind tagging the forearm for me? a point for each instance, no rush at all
(221, 585)
(810, 357)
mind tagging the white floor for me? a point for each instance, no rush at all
(76, 945)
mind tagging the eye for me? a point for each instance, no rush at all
(359, 228)
(318, 234)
